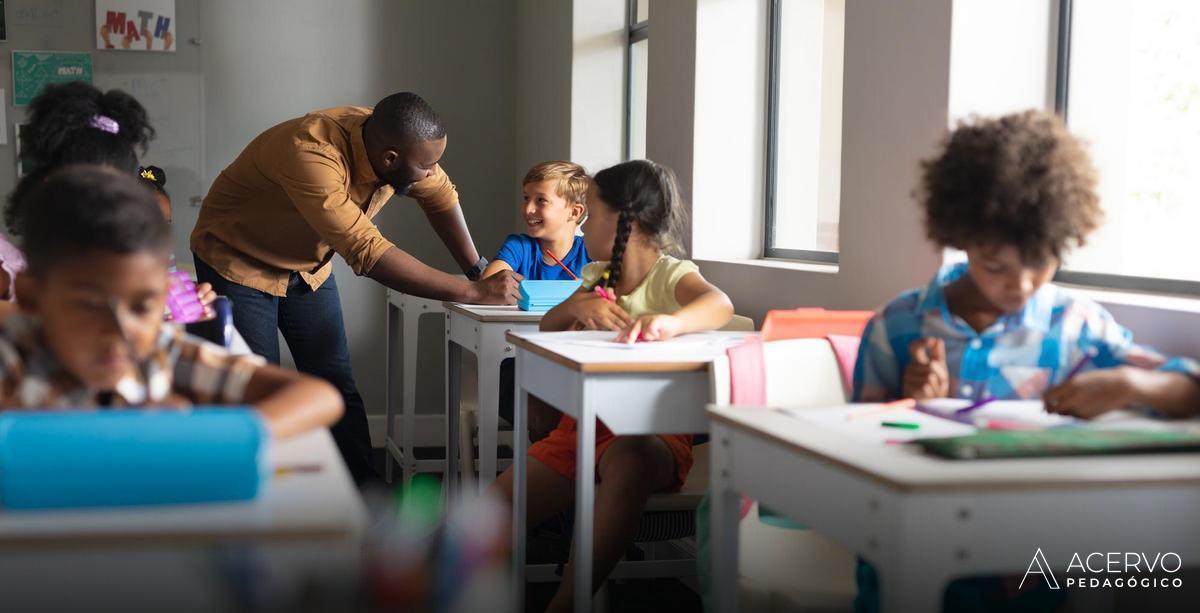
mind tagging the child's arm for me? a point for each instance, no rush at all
(1093, 393)
(290, 402)
(704, 307)
(494, 267)
(585, 309)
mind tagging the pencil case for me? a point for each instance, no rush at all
(540, 296)
(1059, 442)
(182, 300)
(131, 457)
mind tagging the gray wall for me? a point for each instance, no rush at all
(265, 61)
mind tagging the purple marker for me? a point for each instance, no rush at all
(1087, 356)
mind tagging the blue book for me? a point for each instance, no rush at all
(76, 459)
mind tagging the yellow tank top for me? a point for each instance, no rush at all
(655, 295)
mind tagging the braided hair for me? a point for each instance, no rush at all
(73, 123)
(647, 193)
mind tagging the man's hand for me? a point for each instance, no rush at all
(500, 288)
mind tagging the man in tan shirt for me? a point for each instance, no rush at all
(307, 189)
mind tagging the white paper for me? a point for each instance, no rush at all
(864, 422)
(1030, 413)
(687, 340)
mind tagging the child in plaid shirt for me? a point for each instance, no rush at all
(90, 331)
(1016, 194)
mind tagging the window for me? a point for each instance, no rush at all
(636, 65)
(1129, 83)
(804, 129)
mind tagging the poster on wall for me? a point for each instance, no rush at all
(135, 25)
(33, 70)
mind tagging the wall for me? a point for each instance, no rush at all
(543, 89)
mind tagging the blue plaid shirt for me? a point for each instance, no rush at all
(1021, 355)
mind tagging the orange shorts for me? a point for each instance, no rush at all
(557, 450)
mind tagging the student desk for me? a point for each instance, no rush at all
(301, 527)
(404, 315)
(923, 521)
(654, 388)
(479, 329)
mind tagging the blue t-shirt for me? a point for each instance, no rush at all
(523, 253)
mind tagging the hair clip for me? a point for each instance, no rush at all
(149, 175)
(105, 124)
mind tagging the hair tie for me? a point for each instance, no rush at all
(105, 123)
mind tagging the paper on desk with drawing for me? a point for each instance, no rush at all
(870, 428)
(694, 341)
(1031, 413)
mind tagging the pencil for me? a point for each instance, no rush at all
(559, 262)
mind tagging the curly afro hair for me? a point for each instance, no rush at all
(60, 132)
(1020, 180)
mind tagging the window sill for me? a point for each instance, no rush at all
(778, 264)
(1163, 302)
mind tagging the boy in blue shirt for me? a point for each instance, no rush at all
(554, 197)
(1015, 193)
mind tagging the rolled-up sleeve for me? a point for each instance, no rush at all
(316, 183)
(435, 193)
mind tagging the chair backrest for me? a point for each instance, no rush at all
(813, 323)
(797, 373)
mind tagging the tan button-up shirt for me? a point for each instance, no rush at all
(299, 193)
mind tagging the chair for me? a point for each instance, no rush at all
(771, 549)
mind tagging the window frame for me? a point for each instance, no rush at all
(1061, 98)
(771, 153)
(635, 32)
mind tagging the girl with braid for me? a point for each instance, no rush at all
(647, 296)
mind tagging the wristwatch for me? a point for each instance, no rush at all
(475, 271)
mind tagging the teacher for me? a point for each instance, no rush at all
(308, 188)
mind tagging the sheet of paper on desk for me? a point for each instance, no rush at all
(1027, 412)
(685, 341)
(871, 428)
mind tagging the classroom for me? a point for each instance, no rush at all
(600, 305)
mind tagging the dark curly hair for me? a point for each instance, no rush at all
(62, 130)
(1021, 180)
(79, 209)
(647, 193)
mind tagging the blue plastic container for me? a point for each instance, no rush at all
(130, 457)
(540, 296)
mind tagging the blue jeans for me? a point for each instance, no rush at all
(311, 323)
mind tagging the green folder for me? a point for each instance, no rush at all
(1059, 442)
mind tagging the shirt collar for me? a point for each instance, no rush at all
(1035, 314)
(362, 171)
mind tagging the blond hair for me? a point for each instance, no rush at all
(570, 179)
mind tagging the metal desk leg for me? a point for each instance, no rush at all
(723, 521)
(520, 446)
(585, 505)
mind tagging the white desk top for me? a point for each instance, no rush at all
(593, 351)
(302, 505)
(906, 468)
(494, 313)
